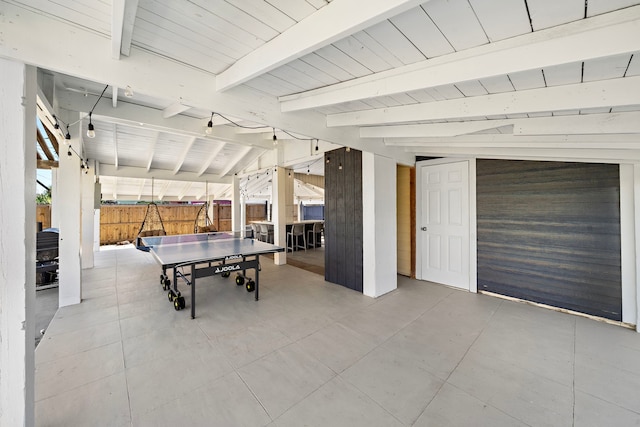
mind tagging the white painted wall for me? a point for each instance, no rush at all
(636, 204)
(55, 217)
(69, 196)
(379, 257)
(87, 178)
(17, 242)
(627, 243)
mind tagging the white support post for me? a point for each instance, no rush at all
(243, 216)
(636, 198)
(379, 243)
(235, 204)
(70, 277)
(17, 242)
(55, 204)
(88, 215)
(279, 217)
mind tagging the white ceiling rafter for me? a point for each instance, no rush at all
(152, 150)
(233, 162)
(573, 42)
(609, 123)
(184, 190)
(605, 93)
(130, 11)
(117, 25)
(330, 23)
(163, 190)
(183, 156)
(141, 190)
(175, 109)
(116, 160)
(501, 140)
(214, 153)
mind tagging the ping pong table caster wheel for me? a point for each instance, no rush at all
(166, 285)
(162, 278)
(239, 280)
(178, 303)
(251, 285)
(172, 295)
(226, 274)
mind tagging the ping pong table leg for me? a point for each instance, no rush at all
(257, 276)
(193, 291)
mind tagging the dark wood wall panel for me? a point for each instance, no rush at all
(549, 232)
(343, 218)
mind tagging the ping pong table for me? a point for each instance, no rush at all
(193, 256)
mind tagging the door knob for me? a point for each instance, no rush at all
(423, 228)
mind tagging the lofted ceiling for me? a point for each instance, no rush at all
(530, 79)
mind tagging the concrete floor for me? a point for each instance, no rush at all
(313, 353)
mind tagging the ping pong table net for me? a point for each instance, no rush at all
(151, 225)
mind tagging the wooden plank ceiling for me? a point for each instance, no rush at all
(532, 79)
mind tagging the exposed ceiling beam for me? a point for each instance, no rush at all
(184, 154)
(128, 21)
(604, 35)
(232, 163)
(115, 145)
(141, 172)
(152, 151)
(329, 24)
(142, 183)
(184, 190)
(501, 140)
(46, 164)
(528, 153)
(557, 125)
(52, 138)
(43, 145)
(174, 109)
(212, 157)
(117, 24)
(154, 75)
(602, 93)
(114, 96)
(133, 115)
(163, 190)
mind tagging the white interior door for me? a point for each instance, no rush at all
(443, 231)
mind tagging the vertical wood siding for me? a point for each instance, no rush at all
(549, 232)
(343, 218)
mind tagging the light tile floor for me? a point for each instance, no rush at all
(313, 353)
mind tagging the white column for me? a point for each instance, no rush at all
(379, 258)
(628, 244)
(636, 197)
(18, 241)
(88, 177)
(70, 278)
(279, 216)
(55, 217)
(235, 204)
(243, 216)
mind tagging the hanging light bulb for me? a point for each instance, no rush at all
(128, 92)
(308, 170)
(209, 129)
(275, 138)
(67, 136)
(340, 166)
(317, 144)
(56, 125)
(91, 133)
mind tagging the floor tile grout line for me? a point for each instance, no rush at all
(124, 361)
(446, 380)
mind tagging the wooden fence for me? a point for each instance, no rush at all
(122, 222)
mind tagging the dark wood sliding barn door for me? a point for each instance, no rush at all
(549, 232)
